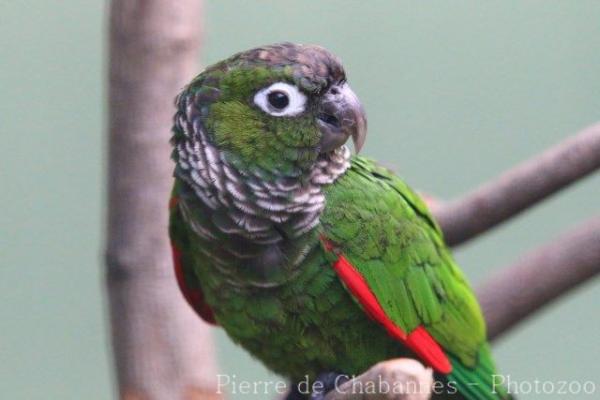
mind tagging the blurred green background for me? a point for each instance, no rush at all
(455, 92)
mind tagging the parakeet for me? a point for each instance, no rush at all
(311, 258)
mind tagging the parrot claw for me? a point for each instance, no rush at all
(326, 382)
(295, 394)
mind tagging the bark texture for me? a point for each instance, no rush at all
(162, 350)
(540, 277)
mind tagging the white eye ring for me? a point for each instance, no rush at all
(296, 100)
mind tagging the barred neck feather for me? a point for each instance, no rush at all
(263, 207)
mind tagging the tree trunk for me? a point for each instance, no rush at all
(162, 350)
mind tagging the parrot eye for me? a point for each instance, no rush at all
(280, 100)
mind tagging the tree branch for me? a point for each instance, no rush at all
(161, 349)
(398, 379)
(540, 277)
(520, 188)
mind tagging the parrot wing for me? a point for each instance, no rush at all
(389, 253)
(186, 279)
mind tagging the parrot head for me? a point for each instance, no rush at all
(255, 139)
(275, 108)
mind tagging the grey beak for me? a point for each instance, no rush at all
(341, 116)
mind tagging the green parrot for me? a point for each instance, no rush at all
(317, 262)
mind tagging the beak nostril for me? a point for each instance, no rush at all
(330, 120)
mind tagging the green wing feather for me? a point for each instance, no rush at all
(386, 231)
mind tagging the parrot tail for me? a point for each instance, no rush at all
(480, 383)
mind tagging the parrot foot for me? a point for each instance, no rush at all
(295, 393)
(326, 382)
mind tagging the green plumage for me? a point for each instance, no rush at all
(269, 283)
